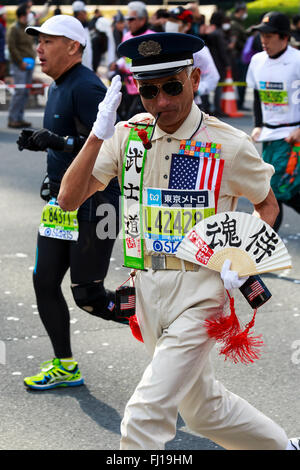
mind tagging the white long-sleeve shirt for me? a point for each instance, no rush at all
(87, 56)
(209, 73)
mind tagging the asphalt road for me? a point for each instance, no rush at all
(111, 360)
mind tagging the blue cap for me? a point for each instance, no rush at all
(160, 54)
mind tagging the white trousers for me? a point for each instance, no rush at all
(171, 307)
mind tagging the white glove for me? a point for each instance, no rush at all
(104, 126)
(230, 278)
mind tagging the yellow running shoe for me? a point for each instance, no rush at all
(53, 375)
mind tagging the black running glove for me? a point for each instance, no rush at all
(44, 139)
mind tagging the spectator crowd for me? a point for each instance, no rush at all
(230, 46)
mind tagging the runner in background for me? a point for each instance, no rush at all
(275, 76)
(68, 241)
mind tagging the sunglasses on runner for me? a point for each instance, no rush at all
(172, 88)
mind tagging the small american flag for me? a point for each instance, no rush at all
(189, 172)
(127, 302)
(255, 290)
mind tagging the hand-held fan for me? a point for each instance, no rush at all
(250, 243)
(253, 248)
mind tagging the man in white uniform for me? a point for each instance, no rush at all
(174, 298)
(275, 76)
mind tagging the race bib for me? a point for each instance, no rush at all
(56, 223)
(274, 96)
(168, 215)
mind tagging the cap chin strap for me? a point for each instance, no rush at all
(157, 74)
(161, 66)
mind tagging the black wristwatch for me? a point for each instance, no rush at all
(69, 144)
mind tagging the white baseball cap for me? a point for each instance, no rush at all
(60, 25)
(78, 6)
(103, 25)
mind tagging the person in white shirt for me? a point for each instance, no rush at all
(275, 76)
(80, 12)
(104, 25)
(209, 76)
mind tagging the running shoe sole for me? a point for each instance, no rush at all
(74, 383)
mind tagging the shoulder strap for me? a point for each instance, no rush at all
(132, 188)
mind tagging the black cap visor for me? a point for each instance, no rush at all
(264, 28)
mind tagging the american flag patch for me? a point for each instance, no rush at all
(127, 302)
(255, 290)
(190, 172)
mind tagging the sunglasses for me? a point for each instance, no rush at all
(172, 88)
(132, 18)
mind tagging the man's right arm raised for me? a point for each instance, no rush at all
(78, 182)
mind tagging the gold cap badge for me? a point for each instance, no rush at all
(148, 48)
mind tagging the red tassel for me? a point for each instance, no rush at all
(243, 347)
(135, 328)
(238, 345)
(222, 327)
(142, 133)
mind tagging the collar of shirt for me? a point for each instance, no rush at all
(278, 54)
(62, 77)
(186, 130)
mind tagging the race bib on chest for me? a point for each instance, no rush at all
(56, 223)
(274, 96)
(168, 215)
